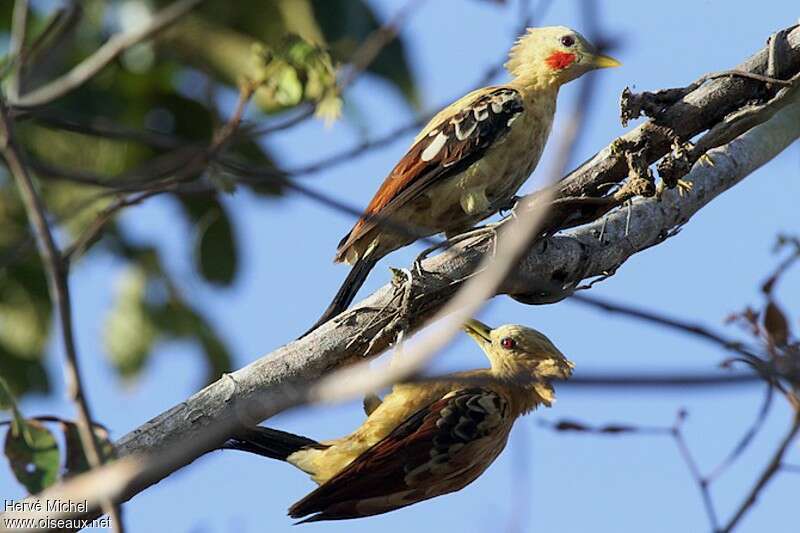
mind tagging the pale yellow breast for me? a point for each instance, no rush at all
(505, 166)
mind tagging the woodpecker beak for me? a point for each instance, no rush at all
(478, 331)
(603, 61)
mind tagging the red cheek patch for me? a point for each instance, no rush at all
(560, 60)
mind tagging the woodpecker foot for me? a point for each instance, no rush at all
(483, 231)
(684, 187)
(417, 266)
(407, 288)
(398, 325)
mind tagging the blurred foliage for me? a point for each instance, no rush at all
(346, 24)
(30, 447)
(33, 451)
(140, 119)
(298, 71)
(149, 308)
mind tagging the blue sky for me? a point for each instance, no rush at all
(544, 481)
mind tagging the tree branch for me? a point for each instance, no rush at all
(58, 288)
(104, 55)
(766, 476)
(548, 272)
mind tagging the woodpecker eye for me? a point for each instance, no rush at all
(568, 40)
(508, 343)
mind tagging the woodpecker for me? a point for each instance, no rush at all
(423, 439)
(471, 158)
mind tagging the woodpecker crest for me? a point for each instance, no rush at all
(554, 55)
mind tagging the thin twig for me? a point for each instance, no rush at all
(691, 328)
(376, 42)
(60, 23)
(701, 482)
(196, 164)
(16, 46)
(104, 55)
(766, 476)
(657, 381)
(747, 438)
(58, 287)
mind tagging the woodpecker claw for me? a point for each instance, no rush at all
(706, 160)
(684, 187)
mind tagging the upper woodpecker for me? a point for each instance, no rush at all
(423, 440)
(471, 158)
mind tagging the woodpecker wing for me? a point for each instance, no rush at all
(456, 142)
(438, 449)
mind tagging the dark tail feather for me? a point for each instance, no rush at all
(268, 442)
(347, 292)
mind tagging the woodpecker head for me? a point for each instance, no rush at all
(513, 349)
(554, 55)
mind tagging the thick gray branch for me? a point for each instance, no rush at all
(548, 272)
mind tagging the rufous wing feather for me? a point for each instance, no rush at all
(451, 146)
(415, 461)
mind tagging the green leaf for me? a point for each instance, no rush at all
(216, 251)
(289, 89)
(294, 71)
(23, 319)
(346, 24)
(23, 375)
(33, 454)
(129, 332)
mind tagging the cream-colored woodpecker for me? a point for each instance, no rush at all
(471, 158)
(424, 439)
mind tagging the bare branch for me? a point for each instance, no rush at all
(196, 163)
(548, 272)
(773, 467)
(690, 328)
(652, 381)
(694, 470)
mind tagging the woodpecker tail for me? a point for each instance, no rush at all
(347, 292)
(268, 442)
